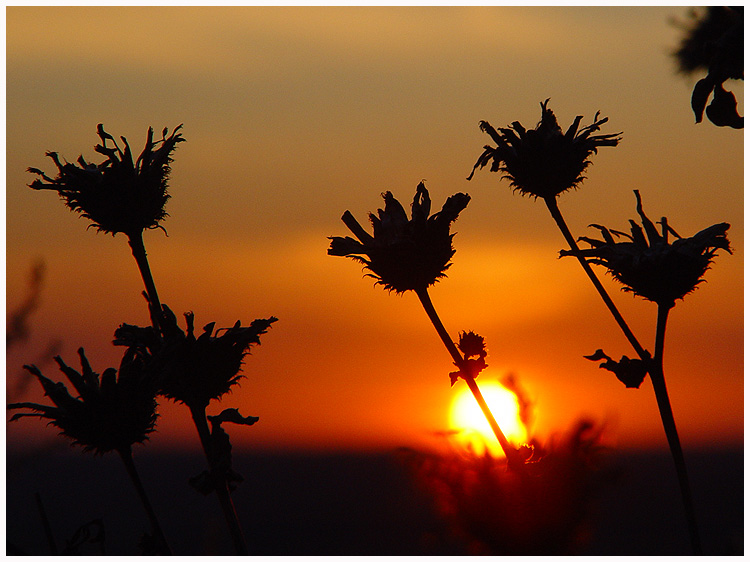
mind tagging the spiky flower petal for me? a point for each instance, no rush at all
(650, 265)
(543, 162)
(403, 254)
(118, 195)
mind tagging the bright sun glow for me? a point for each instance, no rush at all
(473, 429)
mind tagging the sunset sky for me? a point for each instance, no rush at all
(294, 115)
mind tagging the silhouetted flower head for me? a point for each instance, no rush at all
(118, 195)
(543, 162)
(403, 254)
(649, 265)
(193, 370)
(112, 412)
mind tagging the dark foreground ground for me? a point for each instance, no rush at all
(344, 504)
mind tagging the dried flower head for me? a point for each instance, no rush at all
(112, 412)
(403, 254)
(649, 265)
(543, 162)
(117, 195)
(193, 370)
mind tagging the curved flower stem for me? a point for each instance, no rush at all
(514, 461)
(126, 455)
(222, 490)
(557, 215)
(139, 253)
(656, 372)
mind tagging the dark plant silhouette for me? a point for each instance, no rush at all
(189, 369)
(17, 326)
(648, 265)
(411, 254)
(652, 267)
(122, 196)
(18, 330)
(519, 155)
(119, 195)
(403, 254)
(543, 162)
(111, 413)
(714, 42)
(195, 370)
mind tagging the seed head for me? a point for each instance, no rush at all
(650, 265)
(189, 369)
(403, 254)
(543, 162)
(112, 412)
(117, 195)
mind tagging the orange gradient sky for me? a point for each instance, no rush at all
(294, 115)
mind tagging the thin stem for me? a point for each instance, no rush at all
(557, 215)
(511, 454)
(46, 524)
(656, 372)
(139, 253)
(127, 458)
(222, 490)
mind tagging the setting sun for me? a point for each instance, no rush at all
(467, 420)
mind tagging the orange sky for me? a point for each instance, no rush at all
(293, 115)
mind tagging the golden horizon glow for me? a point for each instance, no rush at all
(308, 112)
(473, 429)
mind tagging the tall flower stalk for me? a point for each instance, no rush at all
(467, 374)
(195, 370)
(410, 254)
(659, 383)
(545, 162)
(120, 195)
(651, 266)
